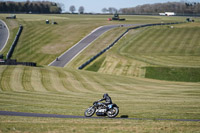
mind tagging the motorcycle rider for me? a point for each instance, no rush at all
(107, 98)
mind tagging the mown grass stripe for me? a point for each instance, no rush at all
(144, 43)
(32, 44)
(137, 45)
(2, 69)
(30, 37)
(184, 41)
(77, 85)
(98, 87)
(104, 82)
(169, 42)
(63, 77)
(36, 80)
(71, 81)
(16, 79)
(42, 58)
(94, 87)
(178, 61)
(35, 45)
(26, 79)
(85, 84)
(151, 43)
(56, 82)
(46, 80)
(5, 80)
(194, 43)
(162, 41)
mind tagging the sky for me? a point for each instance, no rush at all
(96, 6)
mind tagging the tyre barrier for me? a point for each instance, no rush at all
(112, 44)
(14, 62)
(10, 52)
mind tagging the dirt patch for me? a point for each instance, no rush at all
(53, 48)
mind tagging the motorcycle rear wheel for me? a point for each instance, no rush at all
(112, 113)
(90, 112)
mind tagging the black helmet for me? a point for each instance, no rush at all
(105, 95)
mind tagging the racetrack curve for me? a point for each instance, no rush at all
(70, 54)
(9, 113)
(4, 34)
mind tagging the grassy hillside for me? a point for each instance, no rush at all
(50, 41)
(158, 45)
(153, 46)
(64, 91)
(43, 125)
(70, 91)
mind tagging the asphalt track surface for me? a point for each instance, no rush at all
(70, 54)
(4, 34)
(9, 113)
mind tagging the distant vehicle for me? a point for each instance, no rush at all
(47, 21)
(167, 14)
(101, 109)
(190, 20)
(116, 17)
(12, 16)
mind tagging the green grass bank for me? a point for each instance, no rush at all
(160, 46)
(119, 72)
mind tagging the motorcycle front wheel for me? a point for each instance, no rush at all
(89, 112)
(113, 112)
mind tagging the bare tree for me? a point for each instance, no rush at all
(104, 10)
(112, 10)
(81, 9)
(61, 5)
(72, 9)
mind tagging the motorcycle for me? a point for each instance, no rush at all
(101, 109)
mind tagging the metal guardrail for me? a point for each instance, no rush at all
(112, 44)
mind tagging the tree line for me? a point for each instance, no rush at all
(111, 10)
(30, 7)
(177, 7)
